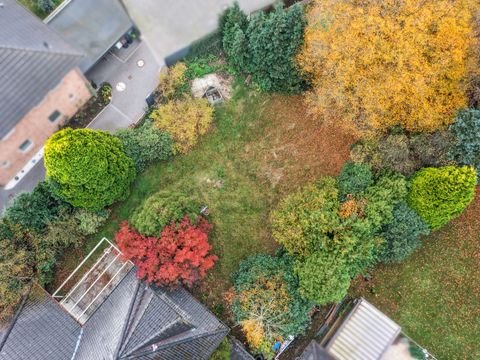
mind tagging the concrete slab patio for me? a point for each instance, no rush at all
(133, 74)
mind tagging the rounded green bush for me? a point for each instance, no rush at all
(324, 278)
(354, 179)
(161, 209)
(440, 194)
(88, 168)
(402, 234)
(146, 144)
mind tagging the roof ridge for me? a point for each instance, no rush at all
(160, 332)
(201, 334)
(127, 321)
(47, 51)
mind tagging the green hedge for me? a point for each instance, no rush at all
(88, 168)
(440, 194)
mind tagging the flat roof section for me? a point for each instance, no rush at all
(92, 26)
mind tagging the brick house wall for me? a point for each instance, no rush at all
(40, 123)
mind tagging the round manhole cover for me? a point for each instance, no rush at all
(120, 86)
(140, 63)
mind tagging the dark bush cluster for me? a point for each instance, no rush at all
(404, 153)
(265, 45)
(146, 144)
(35, 230)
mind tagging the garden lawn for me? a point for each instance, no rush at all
(261, 147)
(31, 5)
(435, 294)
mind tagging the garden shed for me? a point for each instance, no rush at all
(366, 333)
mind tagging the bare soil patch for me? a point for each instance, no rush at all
(296, 148)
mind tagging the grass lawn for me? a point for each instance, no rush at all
(435, 294)
(32, 6)
(261, 147)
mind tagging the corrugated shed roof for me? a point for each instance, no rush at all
(33, 60)
(364, 335)
(93, 26)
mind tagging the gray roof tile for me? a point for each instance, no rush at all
(93, 26)
(33, 60)
(41, 322)
(134, 322)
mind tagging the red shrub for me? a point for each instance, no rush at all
(179, 256)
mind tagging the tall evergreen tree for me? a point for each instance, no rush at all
(274, 40)
(266, 46)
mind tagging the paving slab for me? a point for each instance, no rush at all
(133, 74)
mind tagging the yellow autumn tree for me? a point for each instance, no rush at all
(171, 79)
(381, 63)
(185, 120)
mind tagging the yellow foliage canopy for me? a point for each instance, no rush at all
(185, 120)
(172, 78)
(381, 63)
(267, 305)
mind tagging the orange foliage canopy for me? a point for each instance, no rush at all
(381, 63)
(180, 256)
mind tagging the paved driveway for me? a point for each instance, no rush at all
(172, 25)
(137, 69)
(34, 176)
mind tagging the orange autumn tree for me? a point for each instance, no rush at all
(266, 301)
(180, 256)
(381, 63)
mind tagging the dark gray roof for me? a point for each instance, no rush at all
(93, 26)
(33, 58)
(238, 351)
(41, 322)
(134, 322)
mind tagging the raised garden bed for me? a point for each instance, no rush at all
(91, 109)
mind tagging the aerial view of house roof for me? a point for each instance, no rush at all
(366, 332)
(134, 322)
(31, 65)
(307, 169)
(92, 26)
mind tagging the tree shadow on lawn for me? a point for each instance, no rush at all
(435, 294)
